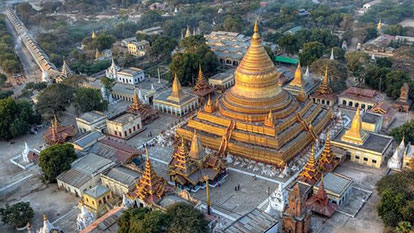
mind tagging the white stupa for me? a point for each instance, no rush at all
(307, 74)
(85, 218)
(269, 208)
(279, 197)
(25, 153)
(395, 161)
(140, 96)
(373, 57)
(126, 203)
(47, 226)
(332, 57)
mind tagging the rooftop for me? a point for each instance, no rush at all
(129, 71)
(123, 175)
(88, 139)
(92, 117)
(371, 118)
(113, 150)
(375, 142)
(124, 118)
(256, 221)
(223, 75)
(335, 183)
(107, 223)
(361, 94)
(96, 191)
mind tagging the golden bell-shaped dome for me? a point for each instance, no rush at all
(256, 90)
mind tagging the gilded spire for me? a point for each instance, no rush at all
(297, 80)
(136, 103)
(93, 35)
(379, 25)
(181, 156)
(209, 107)
(97, 54)
(201, 83)
(66, 71)
(310, 173)
(196, 149)
(188, 32)
(176, 90)
(326, 160)
(355, 134)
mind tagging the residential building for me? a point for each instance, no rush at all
(138, 48)
(120, 180)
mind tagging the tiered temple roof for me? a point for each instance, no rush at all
(58, 134)
(327, 161)
(238, 127)
(150, 187)
(201, 87)
(310, 173)
(137, 107)
(319, 202)
(191, 167)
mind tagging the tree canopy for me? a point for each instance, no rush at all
(179, 218)
(311, 52)
(16, 118)
(54, 98)
(9, 61)
(88, 99)
(56, 159)
(337, 73)
(406, 130)
(17, 215)
(397, 198)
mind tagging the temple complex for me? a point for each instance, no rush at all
(364, 147)
(57, 133)
(201, 87)
(310, 173)
(319, 202)
(176, 101)
(301, 83)
(403, 104)
(296, 218)
(146, 112)
(188, 169)
(150, 187)
(236, 124)
(324, 94)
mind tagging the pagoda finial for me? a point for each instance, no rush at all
(311, 161)
(256, 27)
(176, 89)
(93, 35)
(209, 107)
(196, 149)
(379, 25)
(188, 32)
(256, 36)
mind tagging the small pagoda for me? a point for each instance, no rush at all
(403, 103)
(188, 169)
(146, 112)
(319, 202)
(324, 94)
(310, 173)
(201, 87)
(327, 161)
(150, 188)
(58, 134)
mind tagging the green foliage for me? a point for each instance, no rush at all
(394, 80)
(74, 81)
(88, 99)
(5, 94)
(15, 118)
(311, 52)
(383, 62)
(9, 61)
(232, 23)
(101, 42)
(17, 215)
(369, 33)
(337, 73)
(356, 60)
(289, 44)
(395, 29)
(89, 68)
(54, 98)
(150, 19)
(35, 86)
(406, 130)
(56, 159)
(108, 83)
(3, 79)
(389, 12)
(179, 218)
(162, 47)
(397, 197)
(185, 64)
(404, 227)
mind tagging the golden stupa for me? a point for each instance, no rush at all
(240, 123)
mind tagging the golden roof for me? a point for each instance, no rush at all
(355, 134)
(256, 90)
(196, 149)
(297, 80)
(176, 92)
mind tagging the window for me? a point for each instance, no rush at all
(125, 133)
(100, 202)
(130, 130)
(374, 161)
(134, 127)
(356, 157)
(365, 159)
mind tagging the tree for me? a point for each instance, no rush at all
(404, 227)
(162, 47)
(395, 30)
(383, 62)
(376, 77)
(108, 83)
(394, 81)
(88, 99)
(17, 215)
(183, 218)
(192, 43)
(289, 44)
(311, 52)
(337, 73)
(369, 33)
(56, 159)
(150, 19)
(15, 118)
(3, 79)
(390, 206)
(355, 60)
(54, 98)
(232, 23)
(406, 130)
